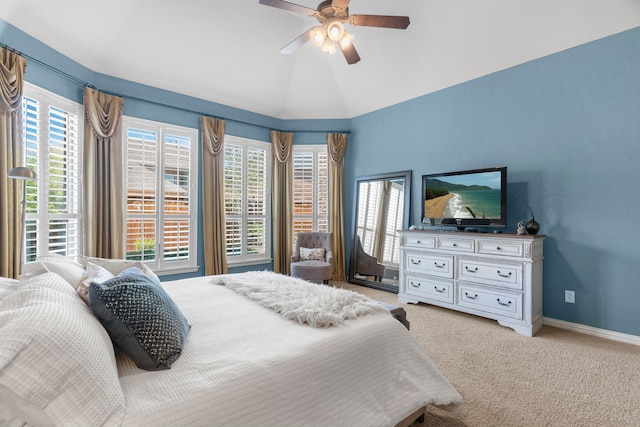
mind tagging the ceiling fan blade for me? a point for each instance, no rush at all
(291, 7)
(350, 53)
(383, 21)
(299, 41)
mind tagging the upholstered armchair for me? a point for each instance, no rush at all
(312, 258)
(367, 265)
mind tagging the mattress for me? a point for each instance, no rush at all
(244, 364)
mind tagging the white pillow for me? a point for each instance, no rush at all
(93, 273)
(70, 270)
(55, 355)
(117, 266)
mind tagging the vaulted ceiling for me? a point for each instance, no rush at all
(227, 51)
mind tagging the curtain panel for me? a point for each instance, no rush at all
(381, 221)
(12, 67)
(337, 144)
(103, 173)
(213, 207)
(282, 200)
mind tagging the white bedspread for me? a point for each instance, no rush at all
(244, 364)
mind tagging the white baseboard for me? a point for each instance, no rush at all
(590, 330)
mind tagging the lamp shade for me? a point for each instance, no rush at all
(21, 172)
(335, 29)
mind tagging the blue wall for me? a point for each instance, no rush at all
(567, 126)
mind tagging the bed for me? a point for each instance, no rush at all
(246, 360)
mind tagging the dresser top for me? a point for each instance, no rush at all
(474, 234)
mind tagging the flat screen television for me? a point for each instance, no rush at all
(469, 199)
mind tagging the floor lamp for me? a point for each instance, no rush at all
(23, 173)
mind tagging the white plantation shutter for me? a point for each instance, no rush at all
(368, 203)
(141, 194)
(310, 189)
(161, 195)
(233, 179)
(177, 196)
(322, 215)
(302, 192)
(247, 203)
(52, 135)
(256, 201)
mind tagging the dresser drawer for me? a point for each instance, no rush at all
(458, 245)
(490, 273)
(499, 302)
(441, 290)
(441, 266)
(420, 242)
(492, 247)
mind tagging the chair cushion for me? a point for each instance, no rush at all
(312, 270)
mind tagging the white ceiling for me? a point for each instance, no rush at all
(227, 51)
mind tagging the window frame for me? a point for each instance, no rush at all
(244, 258)
(162, 265)
(36, 242)
(316, 216)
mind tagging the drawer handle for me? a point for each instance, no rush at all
(440, 265)
(414, 262)
(504, 275)
(418, 241)
(414, 285)
(475, 270)
(439, 290)
(466, 294)
(506, 304)
(498, 248)
(455, 245)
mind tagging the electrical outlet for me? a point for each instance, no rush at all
(570, 296)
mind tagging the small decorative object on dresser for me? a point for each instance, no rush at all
(494, 276)
(532, 226)
(520, 231)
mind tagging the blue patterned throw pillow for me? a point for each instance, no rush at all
(141, 318)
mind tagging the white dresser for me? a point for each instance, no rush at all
(498, 276)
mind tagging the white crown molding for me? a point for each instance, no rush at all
(589, 330)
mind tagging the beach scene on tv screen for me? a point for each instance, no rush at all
(475, 195)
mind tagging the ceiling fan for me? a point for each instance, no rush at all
(332, 15)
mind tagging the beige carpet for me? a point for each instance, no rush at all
(557, 378)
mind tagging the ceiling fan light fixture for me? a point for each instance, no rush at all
(332, 15)
(329, 46)
(346, 40)
(318, 35)
(335, 29)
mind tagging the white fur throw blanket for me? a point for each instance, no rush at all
(295, 299)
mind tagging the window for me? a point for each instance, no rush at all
(247, 183)
(310, 189)
(161, 195)
(52, 136)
